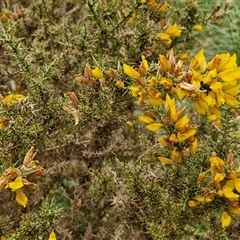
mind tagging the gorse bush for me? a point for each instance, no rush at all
(133, 138)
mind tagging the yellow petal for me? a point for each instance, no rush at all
(234, 210)
(21, 198)
(237, 184)
(174, 31)
(52, 236)
(164, 160)
(145, 63)
(219, 177)
(154, 127)
(230, 100)
(184, 136)
(193, 147)
(130, 71)
(119, 84)
(155, 101)
(200, 198)
(16, 184)
(134, 90)
(181, 123)
(11, 98)
(226, 220)
(165, 38)
(163, 8)
(176, 156)
(198, 27)
(145, 119)
(193, 203)
(97, 73)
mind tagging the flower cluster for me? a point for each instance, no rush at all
(18, 179)
(171, 32)
(210, 85)
(221, 181)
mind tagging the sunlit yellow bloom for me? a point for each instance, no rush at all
(165, 38)
(184, 56)
(152, 81)
(21, 198)
(193, 147)
(181, 123)
(16, 184)
(12, 98)
(228, 191)
(134, 90)
(97, 73)
(234, 210)
(130, 71)
(174, 31)
(145, 63)
(216, 160)
(167, 82)
(200, 198)
(164, 7)
(164, 160)
(185, 135)
(198, 27)
(165, 64)
(170, 107)
(3, 238)
(175, 156)
(155, 101)
(52, 236)
(226, 220)
(219, 177)
(154, 127)
(193, 203)
(198, 62)
(120, 84)
(145, 119)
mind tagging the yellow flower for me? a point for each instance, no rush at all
(165, 38)
(52, 236)
(193, 146)
(21, 198)
(145, 119)
(184, 56)
(120, 84)
(12, 98)
(16, 186)
(154, 127)
(182, 123)
(198, 27)
(228, 191)
(97, 73)
(226, 220)
(135, 90)
(3, 238)
(174, 31)
(145, 63)
(185, 135)
(176, 156)
(164, 7)
(164, 160)
(130, 71)
(193, 203)
(170, 107)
